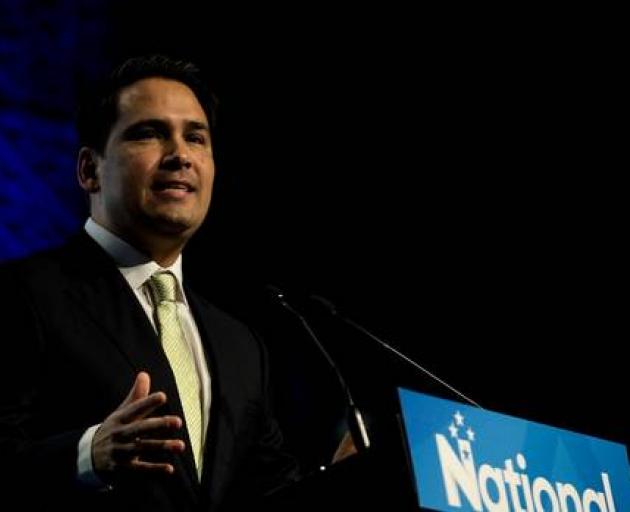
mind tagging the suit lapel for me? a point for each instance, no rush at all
(105, 296)
(220, 436)
(99, 288)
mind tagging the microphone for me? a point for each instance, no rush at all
(332, 309)
(355, 418)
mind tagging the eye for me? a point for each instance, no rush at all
(196, 137)
(144, 132)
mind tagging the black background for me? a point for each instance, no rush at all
(432, 175)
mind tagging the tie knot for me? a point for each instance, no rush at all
(164, 284)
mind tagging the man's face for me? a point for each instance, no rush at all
(157, 170)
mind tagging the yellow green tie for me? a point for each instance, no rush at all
(181, 359)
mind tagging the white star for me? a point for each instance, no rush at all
(470, 434)
(453, 429)
(459, 419)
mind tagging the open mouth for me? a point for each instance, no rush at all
(172, 185)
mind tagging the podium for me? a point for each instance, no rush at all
(392, 474)
(380, 476)
(447, 456)
(372, 480)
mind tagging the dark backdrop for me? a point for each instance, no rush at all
(426, 172)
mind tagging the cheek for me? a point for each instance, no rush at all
(135, 173)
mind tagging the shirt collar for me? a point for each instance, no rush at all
(135, 267)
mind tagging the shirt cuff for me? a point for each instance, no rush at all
(85, 468)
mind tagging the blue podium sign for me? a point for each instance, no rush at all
(469, 459)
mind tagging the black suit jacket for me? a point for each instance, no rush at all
(72, 339)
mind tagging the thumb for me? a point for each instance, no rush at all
(140, 388)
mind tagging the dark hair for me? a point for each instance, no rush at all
(98, 110)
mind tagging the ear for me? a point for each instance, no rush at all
(87, 163)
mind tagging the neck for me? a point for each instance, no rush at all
(163, 254)
(161, 249)
(164, 249)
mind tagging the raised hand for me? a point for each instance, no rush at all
(127, 436)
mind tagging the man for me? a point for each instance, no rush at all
(121, 388)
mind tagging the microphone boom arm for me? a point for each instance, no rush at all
(333, 311)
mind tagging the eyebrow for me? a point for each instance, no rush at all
(196, 125)
(161, 125)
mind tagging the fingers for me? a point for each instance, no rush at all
(116, 447)
(127, 436)
(131, 456)
(146, 428)
(141, 408)
(159, 445)
(139, 403)
(152, 467)
(140, 388)
(133, 450)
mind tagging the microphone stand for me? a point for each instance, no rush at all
(356, 423)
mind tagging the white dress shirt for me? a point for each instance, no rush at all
(137, 268)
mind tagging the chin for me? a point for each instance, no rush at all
(173, 225)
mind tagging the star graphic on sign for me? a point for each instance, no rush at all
(453, 429)
(459, 419)
(470, 434)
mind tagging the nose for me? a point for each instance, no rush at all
(176, 159)
(175, 162)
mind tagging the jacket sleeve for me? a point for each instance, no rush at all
(31, 462)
